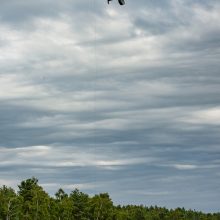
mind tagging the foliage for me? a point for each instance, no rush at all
(31, 202)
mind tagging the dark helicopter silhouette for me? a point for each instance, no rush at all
(121, 2)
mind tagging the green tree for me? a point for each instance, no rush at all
(101, 207)
(63, 205)
(80, 203)
(33, 203)
(138, 214)
(35, 200)
(9, 203)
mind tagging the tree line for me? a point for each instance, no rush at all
(31, 202)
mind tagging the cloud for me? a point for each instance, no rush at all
(46, 156)
(208, 116)
(150, 193)
(185, 166)
(130, 95)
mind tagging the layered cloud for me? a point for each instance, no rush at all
(109, 98)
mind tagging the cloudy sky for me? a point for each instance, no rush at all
(115, 99)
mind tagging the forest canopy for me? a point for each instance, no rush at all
(31, 202)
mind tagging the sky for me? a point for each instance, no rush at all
(110, 98)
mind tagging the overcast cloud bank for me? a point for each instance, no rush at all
(108, 98)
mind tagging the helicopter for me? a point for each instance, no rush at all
(121, 2)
